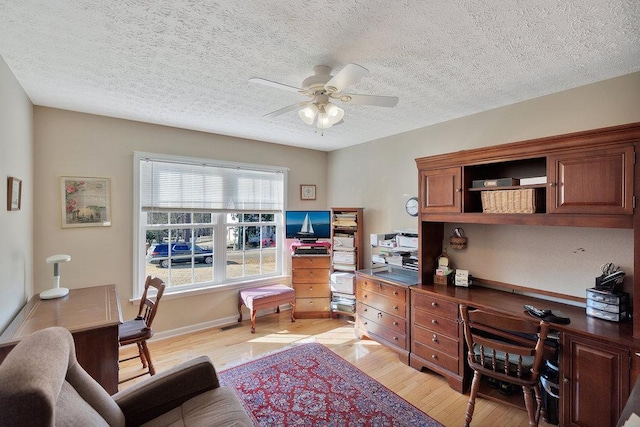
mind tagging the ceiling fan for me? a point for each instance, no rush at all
(323, 88)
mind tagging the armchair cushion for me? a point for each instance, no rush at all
(169, 389)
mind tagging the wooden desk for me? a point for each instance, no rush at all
(92, 315)
(595, 355)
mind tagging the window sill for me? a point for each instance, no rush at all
(224, 287)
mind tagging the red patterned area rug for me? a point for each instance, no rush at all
(309, 385)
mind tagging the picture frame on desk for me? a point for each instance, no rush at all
(307, 192)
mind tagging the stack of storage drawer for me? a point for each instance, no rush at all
(437, 342)
(382, 314)
(605, 305)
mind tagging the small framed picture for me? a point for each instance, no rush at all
(85, 202)
(14, 194)
(307, 192)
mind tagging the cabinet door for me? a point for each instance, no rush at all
(441, 190)
(592, 182)
(595, 382)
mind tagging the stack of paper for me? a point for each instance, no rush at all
(345, 220)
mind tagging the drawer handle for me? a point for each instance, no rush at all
(395, 308)
(310, 302)
(433, 356)
(395, 323)
(637, 354)
(366, 323)
(395, 292)
(395, 338)
(379, 315)
(366, 309)
(435, 338)
(310, 288)
(434, 304)
(434, 322)
(379, 285)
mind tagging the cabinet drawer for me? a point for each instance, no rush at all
(436, 341)
(310, 262)
(381, 302)
(434, 356)
(393, 337)
(435, 305)
(311, 290)
(436, 323)
(310, 275)
(392, 322)
(394, 292)
(312, 304)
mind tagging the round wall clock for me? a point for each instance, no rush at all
(412, 206)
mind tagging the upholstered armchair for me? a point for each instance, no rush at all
(42, 384)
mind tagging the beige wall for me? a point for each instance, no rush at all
(560, 259)
(16, 227)
(75, 144)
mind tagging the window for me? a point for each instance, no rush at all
(202, 223)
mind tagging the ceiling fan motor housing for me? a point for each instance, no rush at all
(316, 82)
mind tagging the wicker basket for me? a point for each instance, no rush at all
(458, 242)
(527, 200)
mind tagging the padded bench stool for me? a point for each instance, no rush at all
(265, 297)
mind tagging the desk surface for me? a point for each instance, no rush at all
(511, 303)
(81, 310)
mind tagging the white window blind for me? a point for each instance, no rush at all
(171, 185)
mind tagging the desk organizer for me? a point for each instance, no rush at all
(606, 305)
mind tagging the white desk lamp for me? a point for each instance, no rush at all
(56, 291)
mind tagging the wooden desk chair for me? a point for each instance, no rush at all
(138, 330)
(500, 348)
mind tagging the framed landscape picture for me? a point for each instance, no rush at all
(86, 202)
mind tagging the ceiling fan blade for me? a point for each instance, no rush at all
(286, 109)
(351, 73)
(277, 85)
(375, 100)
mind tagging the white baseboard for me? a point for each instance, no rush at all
(216, 323)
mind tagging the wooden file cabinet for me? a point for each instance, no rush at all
(437, 341)
(382, 313)
(310, 279)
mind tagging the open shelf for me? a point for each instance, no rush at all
(516, 399)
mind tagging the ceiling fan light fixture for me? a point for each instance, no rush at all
(334, 113)
(324, 122)
(308, 113)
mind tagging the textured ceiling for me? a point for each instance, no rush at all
(187, 63)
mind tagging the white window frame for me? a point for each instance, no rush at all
(139, 231)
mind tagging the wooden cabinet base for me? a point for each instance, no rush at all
(313, 314)
(456, 382)
(403, 354)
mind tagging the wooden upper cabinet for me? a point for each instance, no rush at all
(591, 182)
(441, 190)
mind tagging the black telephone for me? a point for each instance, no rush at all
(551, 316)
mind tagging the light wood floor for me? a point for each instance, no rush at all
(426, 390)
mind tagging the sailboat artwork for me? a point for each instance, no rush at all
(307, 227)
